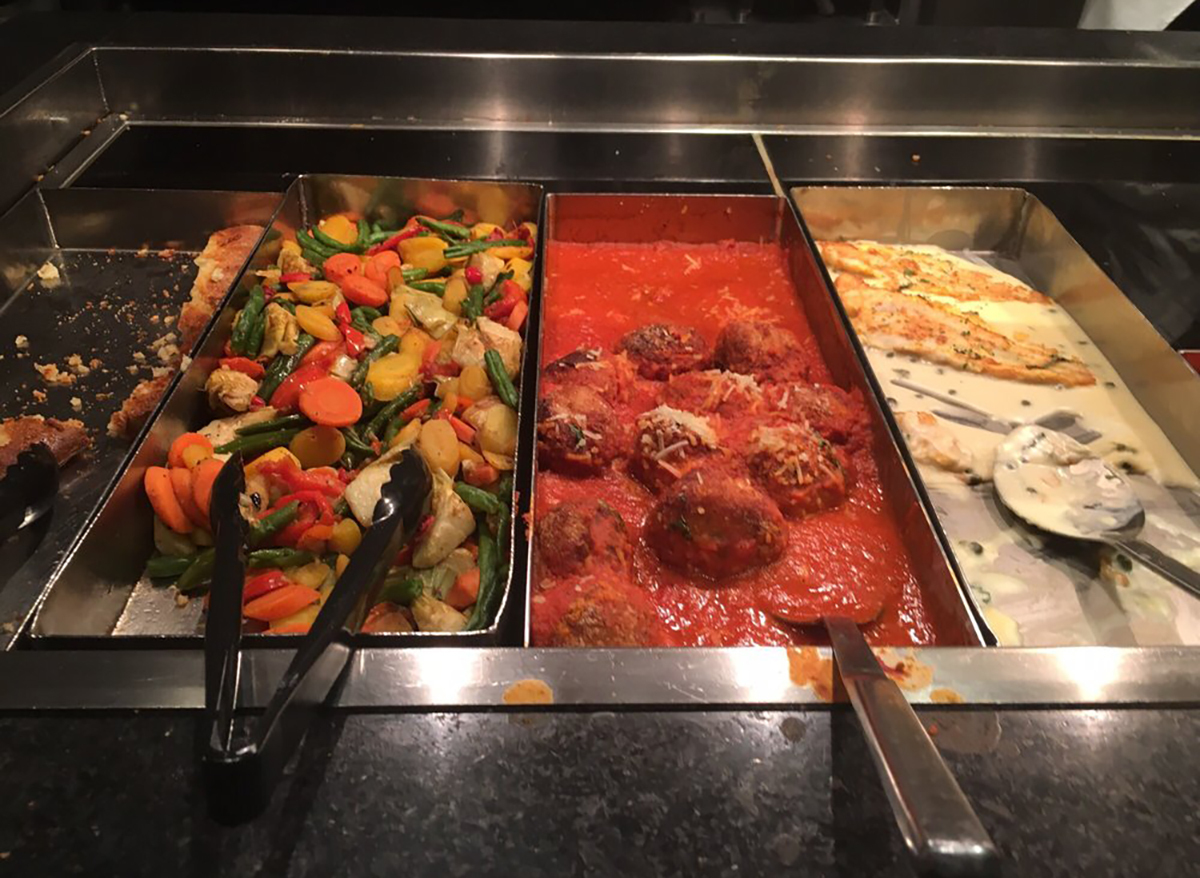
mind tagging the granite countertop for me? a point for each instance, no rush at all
(1095, 792)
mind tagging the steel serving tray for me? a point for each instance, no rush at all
(99, 595)
(712, 218)
(1050, 588)
(116, 267)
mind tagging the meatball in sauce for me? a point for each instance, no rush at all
(660, 350)
(668, 444)
(764, 350)
(578, 431)
(716, 524)
(605, 610)
(582, 536)
(798, 468)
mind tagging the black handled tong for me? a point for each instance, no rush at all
(27, 490)
(240, 771)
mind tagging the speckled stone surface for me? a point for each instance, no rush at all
(1063, 793)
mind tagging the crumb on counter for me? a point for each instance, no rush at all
(51, 374)
(22, 343)
(48, 272)
(76, 403)
(39, 395)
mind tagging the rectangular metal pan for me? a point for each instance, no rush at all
(1052, 592)
(712, 218)
(116, 291)
(99, 592)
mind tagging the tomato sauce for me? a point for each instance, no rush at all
(595, 293)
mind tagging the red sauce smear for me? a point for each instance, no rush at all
(597, 292)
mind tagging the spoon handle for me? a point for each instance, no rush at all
(1161, 563)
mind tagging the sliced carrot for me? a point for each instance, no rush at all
(181, 482)
(340, 266)
(331, 401)
(293, 628)
(161, 492)
(280, 603)
(416, 409)
(175, 457)
(313, 539)
(202, 483)
(464, 431)
(517, 318)
(379, 265)
(465, 590)
(361, 291)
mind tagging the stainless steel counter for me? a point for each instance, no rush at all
(643, 108)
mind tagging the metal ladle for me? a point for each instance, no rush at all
(1058, 485)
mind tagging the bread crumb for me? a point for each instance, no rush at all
(22, 343)
(139, 357)
(75, 364)
(160, 371)
(168, 353)
(51, 374)
(181, 600)
(49, 273)
(77, 403)
(132, 370)
(39, 395)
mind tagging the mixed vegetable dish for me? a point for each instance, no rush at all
(362, 341)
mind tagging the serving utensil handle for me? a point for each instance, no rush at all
(1161, 563)
(940, 829)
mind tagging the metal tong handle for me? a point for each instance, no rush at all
(941, 397)
(240, 779)
(940, 829)
(1160, 562)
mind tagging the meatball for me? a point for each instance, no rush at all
(581, 536)
(604, 610)
(660, 350)
(716, 524)
(766, 351)
(591, 367)
(725, 393)
(578, 432)
(669, 443)
(831, 411)
(802, 471)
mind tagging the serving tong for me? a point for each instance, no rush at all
(1060, 420)
(240, 771)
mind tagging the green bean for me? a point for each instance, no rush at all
(283, 366)
(168, 566)
(198, 572)
(312, 257)
(479, 499)
(489, 588)
(361, 241)
(386, 345)
(412, 274)
(354, 443)
(341, 506)
(389, 434)
(429, 286)
(393, 408)
(500, 380)
(271, 524)
(495, 294)
(466, 249)
(504, 487)
(367, 394)
(243, 327)
(367, 312)
(331, 243)
(448, 230)
(274, 424)
(278, 558)
(360, 323)
(456, 217)
(259, 441)
(401, 588)
(308, 242)
(472, 306)
(346, 461)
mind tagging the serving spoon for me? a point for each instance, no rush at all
(1056, 484)
(940, 828)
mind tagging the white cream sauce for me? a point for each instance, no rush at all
(1044, 598)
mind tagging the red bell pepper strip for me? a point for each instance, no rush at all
(257, 586)
(315, 499)
(295, 277)
(287, 395)
(355, 341)
(323, 478)
(245, 365)
(429, 357)
(257, 402)
(473, 275)
(390, 243)
(322, 354)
